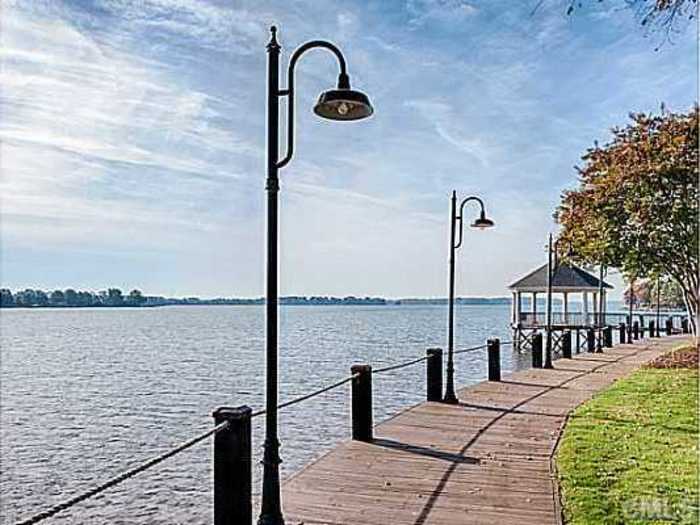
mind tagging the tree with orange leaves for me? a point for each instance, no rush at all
(636, 205)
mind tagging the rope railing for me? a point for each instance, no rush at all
(389, 368)
(116, 480)
(162, 457)
(314, 393)
(472, 349)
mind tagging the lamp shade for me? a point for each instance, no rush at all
(343, 104)
(482, 222)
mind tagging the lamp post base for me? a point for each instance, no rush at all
(268, 519)
(450, 400)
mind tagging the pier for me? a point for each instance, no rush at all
(488, 459)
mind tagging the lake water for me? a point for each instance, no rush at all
(87, 393)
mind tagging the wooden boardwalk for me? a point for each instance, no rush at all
(487, 460)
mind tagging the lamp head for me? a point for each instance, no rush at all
(482, 222)
(343, 103)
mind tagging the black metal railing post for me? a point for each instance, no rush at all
(652, 329)
(361, 402)
(232, 467)
(635, 330)
(566, 344)
(590, 340)
(629, 329)
(433, 369)
(578, 341)
(537, 350)
(607, 337)
(669, 326)
(623, 333)
(684, 325)
(493, 347)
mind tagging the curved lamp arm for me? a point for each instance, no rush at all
(461, 215)
(343, 82)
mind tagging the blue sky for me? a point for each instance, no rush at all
(133, 138)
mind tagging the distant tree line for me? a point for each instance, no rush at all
(69, 298)
(114, 297)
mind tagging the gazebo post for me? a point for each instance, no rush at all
(595, 309)
(585, 308)
(518, 311)
(534, 307)
(566, 308)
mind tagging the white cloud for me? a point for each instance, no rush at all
(448, 126)
(423, 11)
(76, 111)
(231, 30)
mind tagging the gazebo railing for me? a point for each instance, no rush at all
(539, 319)
(558, 318)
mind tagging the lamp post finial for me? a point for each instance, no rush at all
(273, 44)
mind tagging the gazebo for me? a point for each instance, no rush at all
(567, 279)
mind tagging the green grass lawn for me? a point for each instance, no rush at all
(630, 455)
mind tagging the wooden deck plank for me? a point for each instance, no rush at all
(485, 460)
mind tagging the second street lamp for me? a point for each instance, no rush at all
(342, 103)
(481, 222)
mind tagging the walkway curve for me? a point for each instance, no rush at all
(488, 459)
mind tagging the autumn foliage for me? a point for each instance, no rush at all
(636, 207)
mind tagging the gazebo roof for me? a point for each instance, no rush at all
(566, 278)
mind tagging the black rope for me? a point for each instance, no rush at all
(121, 477)
(400, 365)
(310, 395)
(158, 459)
(187, 444)
(465, 350)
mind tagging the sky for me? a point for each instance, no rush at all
(133, 139)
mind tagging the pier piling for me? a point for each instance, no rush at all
(590, 340)
(362, 402)
(566, 344)
(232, 467)
(607, 337)
(494, 352)
(433, 366)
(537, 350)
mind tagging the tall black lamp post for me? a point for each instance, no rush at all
(482, 222)
(342, 103)
(552, 264)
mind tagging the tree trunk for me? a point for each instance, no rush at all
(690, 296)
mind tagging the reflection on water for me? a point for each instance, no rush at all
(87, 393)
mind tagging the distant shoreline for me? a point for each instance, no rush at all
(154, 302)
